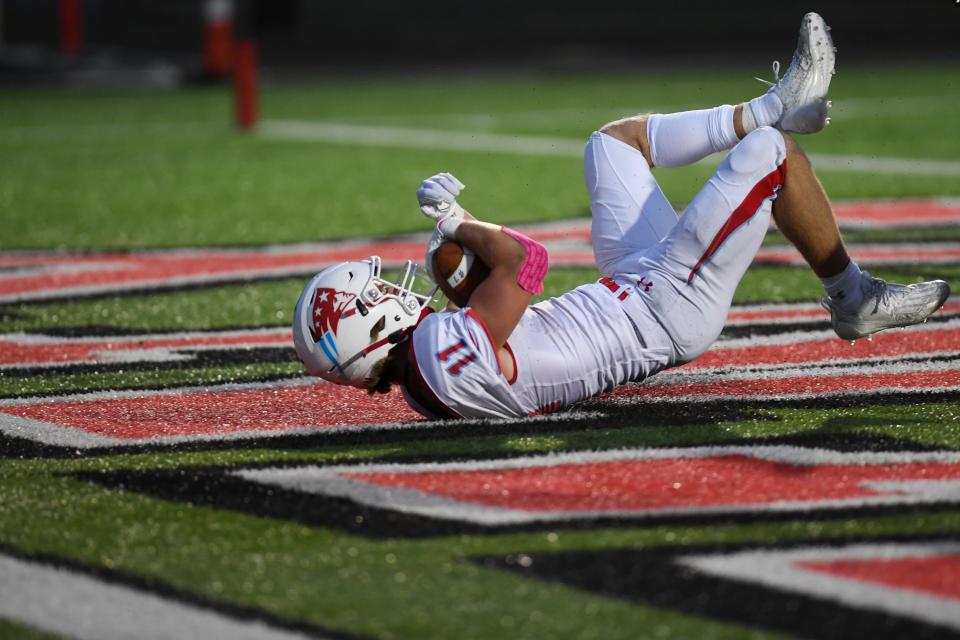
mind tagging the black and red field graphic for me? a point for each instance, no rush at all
(834, 589)
(197, 413)
(781, 366)
(913, 580)
(635, 484)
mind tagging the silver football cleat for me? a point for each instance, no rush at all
(885, 306)
(803, 88)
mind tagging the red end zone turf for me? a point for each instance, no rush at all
(42, 276)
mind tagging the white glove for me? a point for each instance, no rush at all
(437, 196)
(432, 245)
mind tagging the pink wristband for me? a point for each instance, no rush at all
(535, 262)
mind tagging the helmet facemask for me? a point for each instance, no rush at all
(414, 291)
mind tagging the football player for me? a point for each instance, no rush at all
(667, 283)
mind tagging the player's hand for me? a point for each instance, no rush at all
(437, 197)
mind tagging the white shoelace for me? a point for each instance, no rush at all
(776, 75)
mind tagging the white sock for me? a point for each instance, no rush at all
(763, 111)
(679, 139)
(844, 287)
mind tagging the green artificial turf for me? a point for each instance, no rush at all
(220, 307)
(147, 169)
(144, 169)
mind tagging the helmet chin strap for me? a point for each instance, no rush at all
(363, 352)
(396, 337)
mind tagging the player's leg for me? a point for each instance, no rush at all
(629, 211)
(682, 138)
(797, 103)
(696, 269)
(687, 281)
(859, 304)
(804, 216)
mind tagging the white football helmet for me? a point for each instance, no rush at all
(348, 318)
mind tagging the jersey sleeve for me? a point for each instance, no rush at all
(454, 371)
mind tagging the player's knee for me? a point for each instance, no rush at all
(697, 338)
(616, 129)
(626, 130)
(765, 141)
(763, 148)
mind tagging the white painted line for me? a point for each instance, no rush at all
(76, 605)
(355, 134)
(893, 106)
(783, 454)
(419, 138)
(874, 164)
(52, 434)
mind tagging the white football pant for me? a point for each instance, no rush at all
(683, 270)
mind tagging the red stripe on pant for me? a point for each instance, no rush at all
(764, 189)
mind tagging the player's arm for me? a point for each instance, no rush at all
(517, 263)
(499, 300)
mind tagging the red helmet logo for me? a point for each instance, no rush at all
(328, 306)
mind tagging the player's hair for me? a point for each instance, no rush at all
(388, 371)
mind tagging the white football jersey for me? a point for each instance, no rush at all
(565, 349)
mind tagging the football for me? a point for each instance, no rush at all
(458, 271)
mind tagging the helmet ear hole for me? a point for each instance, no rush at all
(378, 327)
